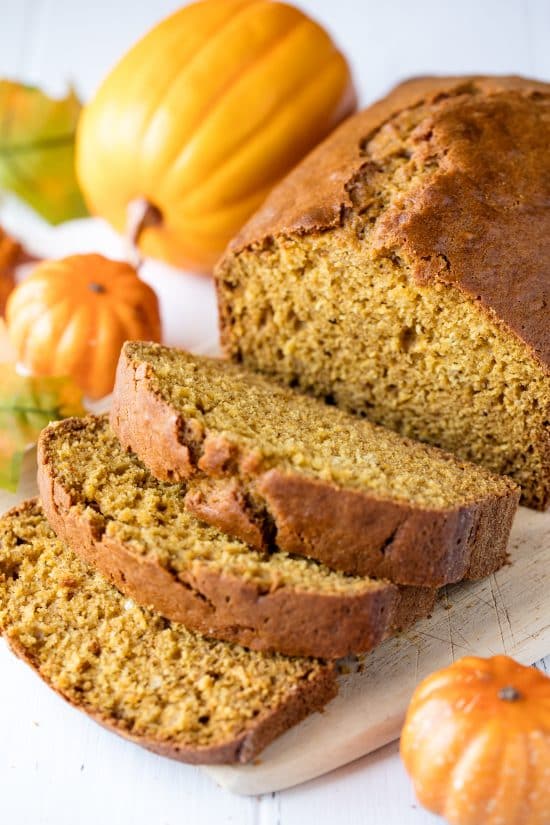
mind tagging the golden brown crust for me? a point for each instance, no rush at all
(363, 535)
(348, 530)
(287, 620)
(309, 696)
(494, 188)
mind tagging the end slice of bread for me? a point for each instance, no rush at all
(279, 469)
(150, 680)
(402, 269)
(107, 507)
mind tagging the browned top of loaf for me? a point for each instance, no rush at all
(478, 214)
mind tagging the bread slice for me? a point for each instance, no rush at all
(145, 678)
(402, 270)
(107, 507)
(277, 468)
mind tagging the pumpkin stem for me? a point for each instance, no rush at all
(509, 694)
(140, 215)
(95, 287)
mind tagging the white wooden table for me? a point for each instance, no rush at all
(56, 767)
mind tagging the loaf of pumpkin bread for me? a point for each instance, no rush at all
(145, 678)
(402, 271)
(103, 503)
(282, 470)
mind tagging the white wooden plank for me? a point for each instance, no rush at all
(15, 34)
(374, 789)
(537, 28)
(386, 42)
(79, 42)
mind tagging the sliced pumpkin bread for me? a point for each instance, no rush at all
(103, 502)
(145, 678)
(276, 468)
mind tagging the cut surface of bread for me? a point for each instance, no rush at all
(402, 270)
(105, 504)
(280, 469)
(150, 680)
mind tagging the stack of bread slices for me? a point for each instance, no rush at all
(197, 563)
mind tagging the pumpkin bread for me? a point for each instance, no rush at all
(276, 468)
(106, 506)
(143, 677)
(402, 271)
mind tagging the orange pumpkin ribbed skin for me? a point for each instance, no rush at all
(203, 116)
(71, 317)
(479, 754)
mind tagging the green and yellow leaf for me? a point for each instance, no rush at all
(37, 150)
(27, 405)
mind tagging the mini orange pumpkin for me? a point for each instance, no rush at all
(71, 317)
(12, 255)
(202, 117)
(476, 743)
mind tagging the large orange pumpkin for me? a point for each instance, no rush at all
(71, 317)
(202, 117)
(476, 743)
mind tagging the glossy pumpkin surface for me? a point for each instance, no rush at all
(476, 743)
(203, 116)
(71, 317)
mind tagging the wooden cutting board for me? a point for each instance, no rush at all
(507, 613)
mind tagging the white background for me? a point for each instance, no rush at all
(55, 765)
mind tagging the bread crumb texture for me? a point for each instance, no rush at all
(391, 313)
(127, 666)
(125, 503)
(303, 435)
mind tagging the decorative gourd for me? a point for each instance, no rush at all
(71, 317)
(11, 255)
(202, 117)
(476, 743)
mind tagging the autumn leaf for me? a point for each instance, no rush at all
(37, 150)
(27, 405)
